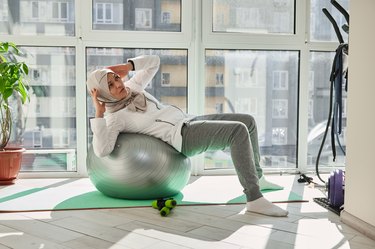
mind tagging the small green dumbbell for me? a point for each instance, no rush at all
(164, 205)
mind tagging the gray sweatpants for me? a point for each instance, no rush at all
(220, 131)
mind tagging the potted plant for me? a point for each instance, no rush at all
(12, 85)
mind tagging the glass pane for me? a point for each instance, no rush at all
(146, 15)
(263, 84)
(253, 16)
(37, 17)
(321, 28)
(46, 126)
(319, 104)
(169, 85)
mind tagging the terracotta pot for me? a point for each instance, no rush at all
(10, 164)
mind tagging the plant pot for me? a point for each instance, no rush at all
(10, 164)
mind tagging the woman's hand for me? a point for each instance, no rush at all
(99, 106)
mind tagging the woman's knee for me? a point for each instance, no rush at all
(249, 121)
(240, 129)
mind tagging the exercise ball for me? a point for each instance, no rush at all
(139, 167)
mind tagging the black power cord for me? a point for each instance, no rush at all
(303, 178)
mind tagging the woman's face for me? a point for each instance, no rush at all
(116, 86)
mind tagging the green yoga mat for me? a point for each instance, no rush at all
(74, 194)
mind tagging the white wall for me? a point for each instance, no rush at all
(360, 167)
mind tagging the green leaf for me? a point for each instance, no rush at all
(25, 68)
(7, 93)
(5, 46)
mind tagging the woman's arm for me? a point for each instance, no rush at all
(104, 136)
(122, 69)
(146, 67)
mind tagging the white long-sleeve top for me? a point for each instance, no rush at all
(161, 121)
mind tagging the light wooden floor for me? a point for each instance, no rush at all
(307, 226)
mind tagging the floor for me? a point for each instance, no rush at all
(218, 226)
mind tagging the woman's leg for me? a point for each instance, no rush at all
(216, 133)
(250, 123)
(207, 135)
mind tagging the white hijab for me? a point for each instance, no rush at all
(135, 101)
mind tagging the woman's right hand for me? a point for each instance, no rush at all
(99, 106)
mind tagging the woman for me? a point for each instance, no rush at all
(130, 109)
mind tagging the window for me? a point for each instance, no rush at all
(165, 79)
(279, 108)
(52, 103)
(60, 11)
(250, 80)
(3, 10)
(320, 27)
(279, 136)
(34, 9)
(38, 18)
(37, 139)
(146, 15)
(244, 16)
(280, 80)
(166, 17)
(219, 79)
(143, 18)
(247, 105)
(104, 13)
(245, 77)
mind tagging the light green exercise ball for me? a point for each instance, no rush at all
(139, 167)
